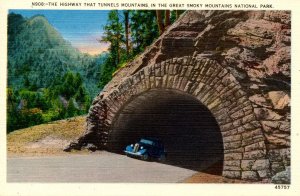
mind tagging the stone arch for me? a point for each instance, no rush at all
(210, 83)
(190, 133)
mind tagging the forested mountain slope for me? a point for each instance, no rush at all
(38, 55)
(48, 79)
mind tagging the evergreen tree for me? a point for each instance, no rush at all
(106, 72)
(15, 22)
(11, 108)
(114, 35)
(143, 29)
(71, 109)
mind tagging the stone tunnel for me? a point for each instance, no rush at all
(215, 87)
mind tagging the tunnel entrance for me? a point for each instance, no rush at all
(189, 131)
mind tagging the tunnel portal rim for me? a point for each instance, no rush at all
(174, 91)
(210, 83)
(211, 159)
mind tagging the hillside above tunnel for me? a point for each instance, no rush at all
(235, 64)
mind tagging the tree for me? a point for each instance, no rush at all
(11, 110)
(178, 13)
(71, 109)
(143, 29)
(68, 88)
(126, 21)
(106, 72)
(160, 23)
(30, 117)
(114, 35)
(167, 18)
(15, 22)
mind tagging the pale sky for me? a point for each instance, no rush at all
(80, 27)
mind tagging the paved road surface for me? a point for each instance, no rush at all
(104, 167)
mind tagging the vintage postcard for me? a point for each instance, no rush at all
(114, 98)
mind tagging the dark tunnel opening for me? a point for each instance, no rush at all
(189, 131)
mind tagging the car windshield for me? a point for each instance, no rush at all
(146, 141)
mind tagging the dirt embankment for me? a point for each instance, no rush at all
(45, 139)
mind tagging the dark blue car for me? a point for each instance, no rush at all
(146, 149)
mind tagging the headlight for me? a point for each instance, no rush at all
(142, 147)
(131, 145)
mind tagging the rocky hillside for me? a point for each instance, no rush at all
(254, 48)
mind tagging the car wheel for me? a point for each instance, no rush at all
(162, 158)
(145, 157)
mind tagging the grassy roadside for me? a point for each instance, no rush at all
(45, 139)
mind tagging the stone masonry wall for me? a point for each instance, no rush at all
(254, 47)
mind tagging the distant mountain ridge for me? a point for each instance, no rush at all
(48, 79)
(38, 54)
